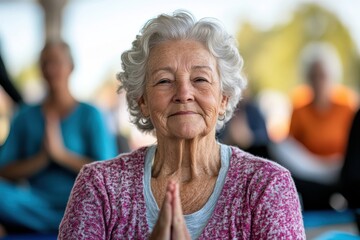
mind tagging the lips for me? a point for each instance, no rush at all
(179, 113)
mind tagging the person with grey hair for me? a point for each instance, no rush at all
(183, 79)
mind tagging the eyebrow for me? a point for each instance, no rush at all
(201, 67)
(169, 69)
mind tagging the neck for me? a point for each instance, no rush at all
(190, 159)
(61, 103)
(322, 103)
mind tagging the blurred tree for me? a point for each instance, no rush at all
(271, 57)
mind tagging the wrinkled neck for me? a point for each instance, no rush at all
(186, 160)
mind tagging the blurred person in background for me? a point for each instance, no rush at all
(247, 128)
(314, 150)
(46, 147)
(183, 80)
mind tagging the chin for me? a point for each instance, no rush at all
(190, 133)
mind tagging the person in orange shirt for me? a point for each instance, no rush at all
(322, 125)
(314, 150)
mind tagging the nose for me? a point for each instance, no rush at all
(184, 92)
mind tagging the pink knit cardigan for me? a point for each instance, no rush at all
(258, 201)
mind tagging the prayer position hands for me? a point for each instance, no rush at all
(54, 144)
(171, 222)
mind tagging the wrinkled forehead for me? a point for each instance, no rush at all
(172, 54)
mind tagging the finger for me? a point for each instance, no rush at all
(162, 229)
(165, 212)
(179, 229)
(176, 207)
(171, 186)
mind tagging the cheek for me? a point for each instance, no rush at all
(213, 101)
(211, 108)
(157, 108)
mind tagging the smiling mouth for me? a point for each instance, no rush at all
(182, 113)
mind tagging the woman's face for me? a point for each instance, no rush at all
(182, 95)
(56, 67)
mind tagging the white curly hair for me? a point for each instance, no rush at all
(181, 25)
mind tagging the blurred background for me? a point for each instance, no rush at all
(271, 35)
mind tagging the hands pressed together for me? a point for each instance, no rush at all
(171, 222)
(53, 140)
(54, 146)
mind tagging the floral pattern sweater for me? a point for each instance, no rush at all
(258, 201)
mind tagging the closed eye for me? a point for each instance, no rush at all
(163, 81)
(200, 80)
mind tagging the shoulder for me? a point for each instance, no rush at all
(117, 178)
(107, 198)
(300, 113)
(25, 109)
(302, 109)
(254, 163)
(27, 113)
(245, 167)
(262, 196)
(344, 108)
(87, 107)
(261, 181)
(89, 113)
(123, 163)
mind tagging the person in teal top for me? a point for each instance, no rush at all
(46, 147)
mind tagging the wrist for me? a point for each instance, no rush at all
(60, 156)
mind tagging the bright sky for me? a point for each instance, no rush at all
(99, 30)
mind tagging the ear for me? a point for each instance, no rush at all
(223, 104)
(143, 106)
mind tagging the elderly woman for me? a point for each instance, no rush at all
(183, 80)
